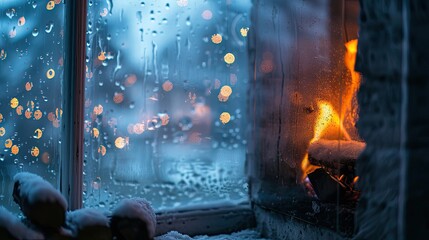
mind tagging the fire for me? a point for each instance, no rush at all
(328, 121)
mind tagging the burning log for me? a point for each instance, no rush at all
(327, 188)
(40, 202)
(133, 219)
(336, 155)
(89, 224)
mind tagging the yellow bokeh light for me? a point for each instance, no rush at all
(98, 109)
(50, 5)
(225, 117)
(229, 58)
(102, 56)
(95, 132)
(38, 133)
(120, 142)
(244, 31)
(3, 54)
(14, 149)
(226, 91)
(50, 73)
(38, 114)
(2, 131)
(14, 103)
(217, 38)
(35, 151)
(8, 143)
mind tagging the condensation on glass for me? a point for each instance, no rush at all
(31, 75)
(165, 102)
(304, 109)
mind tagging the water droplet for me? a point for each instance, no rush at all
(49, 27)
(11, 13)
(35, 32)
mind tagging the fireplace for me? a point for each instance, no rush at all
(336, 153)
(304, 109)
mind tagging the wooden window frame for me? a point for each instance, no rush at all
(210, 221)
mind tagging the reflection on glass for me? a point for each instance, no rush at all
(31, 73)
(166, 86)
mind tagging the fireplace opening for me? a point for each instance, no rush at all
(304, 111)
(328, 167)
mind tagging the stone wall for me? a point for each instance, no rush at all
(394, 177)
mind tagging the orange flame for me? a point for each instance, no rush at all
(328, 120)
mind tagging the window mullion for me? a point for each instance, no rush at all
(73, 103)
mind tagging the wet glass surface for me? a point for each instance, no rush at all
(165, 102)
(31, 74)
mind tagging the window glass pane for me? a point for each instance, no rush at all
(31, 75)
(166, 86)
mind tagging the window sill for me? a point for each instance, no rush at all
(206, 221)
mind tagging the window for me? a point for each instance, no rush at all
(160, 119)
(31, 73)
(164, 106)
